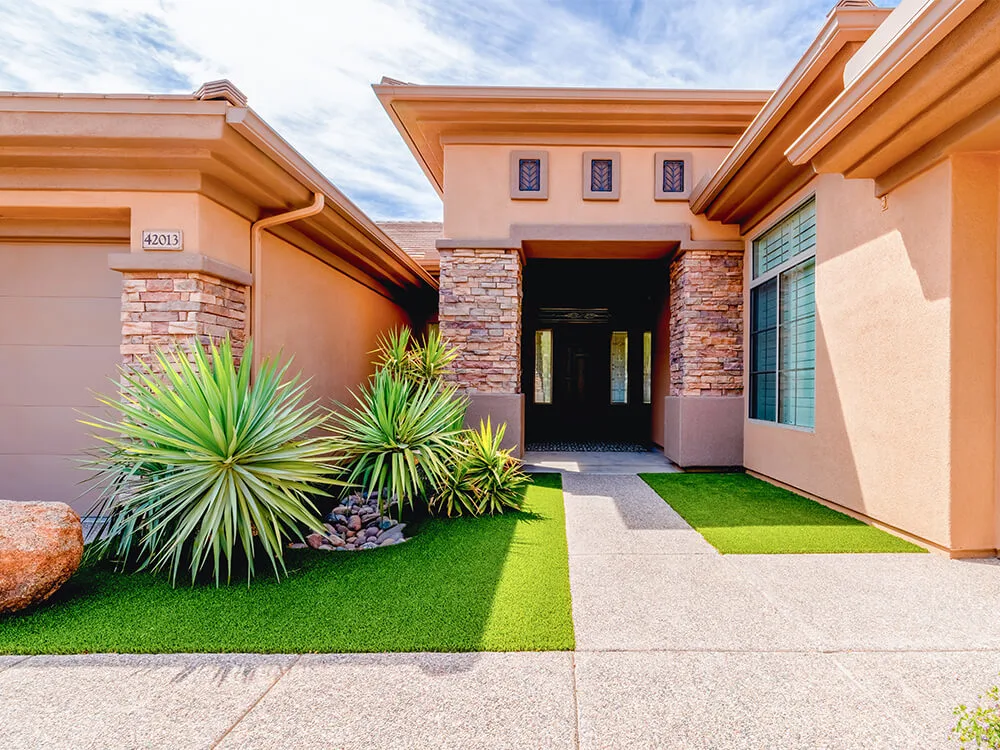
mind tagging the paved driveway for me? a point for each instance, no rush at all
(677, 647)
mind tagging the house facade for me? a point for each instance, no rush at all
(133, 222)
(802, 283)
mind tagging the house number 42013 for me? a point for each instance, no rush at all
(162, 239)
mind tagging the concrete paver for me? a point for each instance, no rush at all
(609, 514)
(735, 701)
(885, 601)
(130, 701)
(484, 700)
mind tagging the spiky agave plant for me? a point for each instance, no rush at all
(202, 464)
(494, 473)
(401, 438)
(393, 353)
(432, 357)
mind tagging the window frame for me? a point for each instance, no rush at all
(775, 275)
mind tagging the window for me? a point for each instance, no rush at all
(619, 367)
(529, 175)
(672, 175)
(783, 321)
(647, 367)
(601, 175)
(601, 180)
(543, 367)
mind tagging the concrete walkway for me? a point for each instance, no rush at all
(677, 647)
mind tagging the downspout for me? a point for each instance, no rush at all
(256, 234)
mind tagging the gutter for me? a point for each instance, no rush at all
(934, 20)
(249, 125)
(256, 235)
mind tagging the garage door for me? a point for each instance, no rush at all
(59, 336)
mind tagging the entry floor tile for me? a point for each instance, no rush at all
(482, 700)
(633, 602)
(717, 700)
(885, 601)
(130, 701)
(622, 515)
(597, 462)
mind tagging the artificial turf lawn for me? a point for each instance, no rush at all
(738, 514)
(498, 583)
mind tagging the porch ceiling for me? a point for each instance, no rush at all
(598, 249)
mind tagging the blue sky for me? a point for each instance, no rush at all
(307, 65)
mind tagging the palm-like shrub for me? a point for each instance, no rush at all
(401, 357)
(401, 439)
(202, 466)
(432, 358)
(495, 476)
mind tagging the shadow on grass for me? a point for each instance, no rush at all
(437, 592)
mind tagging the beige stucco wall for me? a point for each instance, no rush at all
(328, 321)
(905, 362)
(477, 202)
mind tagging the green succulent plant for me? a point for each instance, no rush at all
(494, 473)
(203, 464)
(401, 438)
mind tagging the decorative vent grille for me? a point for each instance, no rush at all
(673, 176)
(574, 315)
(600, 175)
(529, 175)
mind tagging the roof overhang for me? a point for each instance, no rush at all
(927, 85)
(756, 175)
(428, 117)
(184, 144)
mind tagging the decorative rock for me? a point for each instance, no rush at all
(315, 540)
(336, 541)
(298, 545)
(354, 524)
(369, 545)
(41, 545)
(386, 523)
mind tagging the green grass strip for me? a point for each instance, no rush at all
(498, 583)
(738, 514)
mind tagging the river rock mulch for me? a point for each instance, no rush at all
(356, 524)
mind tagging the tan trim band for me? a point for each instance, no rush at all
(161, 262)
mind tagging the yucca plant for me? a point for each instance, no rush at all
(401, 438)
(495, 474)
(456, 494)
(431, 358)
(393, 354)
(202, 465)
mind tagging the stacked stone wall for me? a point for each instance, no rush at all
(160, 309)
(480, 313)
(706, 323)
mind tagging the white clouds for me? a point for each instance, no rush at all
(307, 66)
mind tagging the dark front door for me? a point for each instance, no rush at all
(585, 352)
(581, 380)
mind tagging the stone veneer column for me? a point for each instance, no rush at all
(480, 313)
(175, 299)
(704, 411)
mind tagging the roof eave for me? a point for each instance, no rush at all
(927, 27)
(843, 25)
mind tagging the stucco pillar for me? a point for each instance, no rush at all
(703, 414)
(480, 314)
(172, 299)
